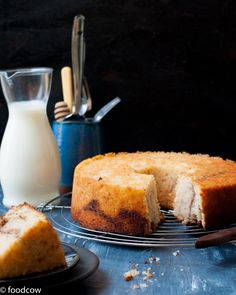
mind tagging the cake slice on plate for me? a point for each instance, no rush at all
(28, 243)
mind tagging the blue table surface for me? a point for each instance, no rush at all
(194, 271)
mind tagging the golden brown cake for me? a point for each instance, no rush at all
(123, 192)
(28, 242)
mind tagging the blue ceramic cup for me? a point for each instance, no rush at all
(77, 141)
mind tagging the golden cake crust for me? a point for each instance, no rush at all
(33, 250)
(113, 212)
(108, 191)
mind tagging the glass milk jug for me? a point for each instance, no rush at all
(29, 160)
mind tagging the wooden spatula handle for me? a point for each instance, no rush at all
(67, 88)
(217, 238)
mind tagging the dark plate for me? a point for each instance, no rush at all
(81, 263)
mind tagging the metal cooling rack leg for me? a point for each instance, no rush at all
(95, 237)
(84, 243)
(80, 239)
(76, 241)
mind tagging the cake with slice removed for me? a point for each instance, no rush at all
(28, 243)
(123, 192)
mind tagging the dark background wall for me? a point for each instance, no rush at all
(173, 63)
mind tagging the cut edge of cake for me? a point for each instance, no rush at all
(116, 213)
(29, 244)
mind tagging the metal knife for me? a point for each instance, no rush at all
(77, 52)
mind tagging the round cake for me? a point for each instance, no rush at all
(123, 192)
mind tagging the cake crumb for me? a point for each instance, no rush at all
(153, 259)
(143, 285)
(148, 274)
(176, 253)
(139, 286)
(131, 274)
(136, 286)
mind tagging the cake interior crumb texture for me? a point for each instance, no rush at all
(123, 192)
(28, 242)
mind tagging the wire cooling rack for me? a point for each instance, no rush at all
(169, 233)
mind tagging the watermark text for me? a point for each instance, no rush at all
(19, 290)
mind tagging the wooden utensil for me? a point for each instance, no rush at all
(67, 87)
(61, 110)
(218, 238)
(64, 108)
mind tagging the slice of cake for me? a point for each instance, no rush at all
(28, 243)
(107, 196)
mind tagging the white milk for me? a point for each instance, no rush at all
(29, 160)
